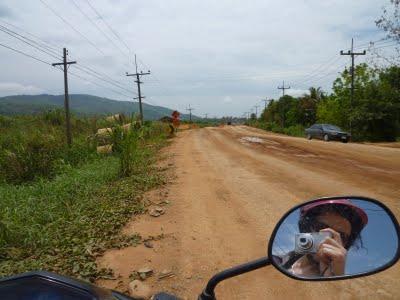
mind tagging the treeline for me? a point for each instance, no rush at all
(373, 115)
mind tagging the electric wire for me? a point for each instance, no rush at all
(101, 78)
(103, 75)
(59, 68)
(109, 27)
(98, 28)
(98, 74)
(100, 85)
(46, 44)
(72, 27)
(391, 45)
(322, 77)
(25, 54)
(316, 75)
(22, 39)
(121, 40)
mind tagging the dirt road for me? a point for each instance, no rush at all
(232, 185)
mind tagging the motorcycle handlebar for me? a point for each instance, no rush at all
(209, 292)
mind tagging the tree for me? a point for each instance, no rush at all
(376, 108)
(389, 22)
(308, 105)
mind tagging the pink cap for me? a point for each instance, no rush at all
(360, 212)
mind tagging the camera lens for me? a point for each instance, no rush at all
(306, 242)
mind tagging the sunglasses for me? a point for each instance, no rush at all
(317, 226)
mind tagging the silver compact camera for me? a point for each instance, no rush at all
(308, 243)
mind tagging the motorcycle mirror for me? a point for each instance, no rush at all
(335, 238)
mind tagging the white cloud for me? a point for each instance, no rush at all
(8, 88)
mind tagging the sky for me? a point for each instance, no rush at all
(220, 57)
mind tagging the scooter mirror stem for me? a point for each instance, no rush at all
(209, 294)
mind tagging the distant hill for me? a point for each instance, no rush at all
(80, 104)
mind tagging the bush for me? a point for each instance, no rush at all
(296, 130)
(54, 117)
(129, 145)
(33, 147)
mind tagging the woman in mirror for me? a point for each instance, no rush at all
(343, 222)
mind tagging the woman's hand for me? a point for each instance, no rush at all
(332, 255)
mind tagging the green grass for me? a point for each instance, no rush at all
(33, 147)
(62, 223)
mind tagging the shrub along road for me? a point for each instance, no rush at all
(231, 186)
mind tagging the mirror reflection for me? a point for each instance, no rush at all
(335, 237)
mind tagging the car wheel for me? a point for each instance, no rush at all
(345, 141)
(309, 137)
(326, 138)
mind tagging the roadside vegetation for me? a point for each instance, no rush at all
(374, 115)
(61, 207)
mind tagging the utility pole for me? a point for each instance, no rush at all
(205, 115)
(265, 102)
(283, 88)
(140, 97)
(256, 106)
(352, 54)
(190, 113)
(65, 64)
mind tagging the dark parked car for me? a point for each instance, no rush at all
(327, 132)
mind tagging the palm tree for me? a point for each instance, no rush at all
(316, 94)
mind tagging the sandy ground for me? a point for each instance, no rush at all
(231, 185)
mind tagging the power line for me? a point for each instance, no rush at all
(98, 28)
(104, 75)
(314, 80)
(99, 85)
(154, 76)
(70, 25)
(115, 33)
(109, 27)
(22, 39)
(391, 45)
(25, 54)
(73, 74)
(82, 68)
(13, 34)
(102, 79)
(363, 45)
(315, 73)
(46, 44)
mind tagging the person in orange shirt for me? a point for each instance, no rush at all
(175, 121)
